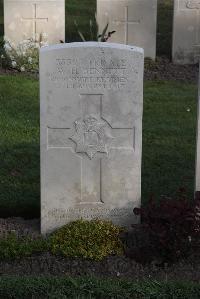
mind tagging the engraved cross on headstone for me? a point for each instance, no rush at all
(126, 23)
(35, 19)
(94, 139)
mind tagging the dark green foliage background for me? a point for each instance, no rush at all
(84, 10)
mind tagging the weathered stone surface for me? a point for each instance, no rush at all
(133, 20)
(91, 132)
(186, 31)
(42, 20)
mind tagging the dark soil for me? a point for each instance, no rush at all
(14, 72)
(8, 71)
(161, 69)
(20, 227)
(113, 266)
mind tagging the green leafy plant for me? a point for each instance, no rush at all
(88, 239)
(94, 27)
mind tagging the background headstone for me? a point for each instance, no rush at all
(133, 20)
(42, 20)
(186, 31)
(91, 132)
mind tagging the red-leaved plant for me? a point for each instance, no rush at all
(170, 228)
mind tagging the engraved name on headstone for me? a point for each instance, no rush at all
(134, 21)
(34, 19)
(91, 132)
(186, 31)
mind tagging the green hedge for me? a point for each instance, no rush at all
(87, 287)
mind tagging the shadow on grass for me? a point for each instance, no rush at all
(20, 181)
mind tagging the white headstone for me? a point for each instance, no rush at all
(133, 20)
(41, 20)
(186, 31)
(91, 132)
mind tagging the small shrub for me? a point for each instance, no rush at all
(88, 239)
(24, 57)
(93, 29)
(170, 230)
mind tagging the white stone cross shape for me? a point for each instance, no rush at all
(91, 134)
(193, 6)
(34, 21)
(126, 23)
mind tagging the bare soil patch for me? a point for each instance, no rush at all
(20, 227)
(164, 69)
(112, 267)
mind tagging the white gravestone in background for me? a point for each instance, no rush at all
(133, 20)
(186, 31)
(41, 20)
(91, 132)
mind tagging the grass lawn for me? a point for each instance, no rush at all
(84, 10)
(169, 137)
(91, 288)
(19, 146)
(168, 142)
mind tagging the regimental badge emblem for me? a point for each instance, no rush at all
(90, 136)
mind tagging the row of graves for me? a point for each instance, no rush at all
(134, 21)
